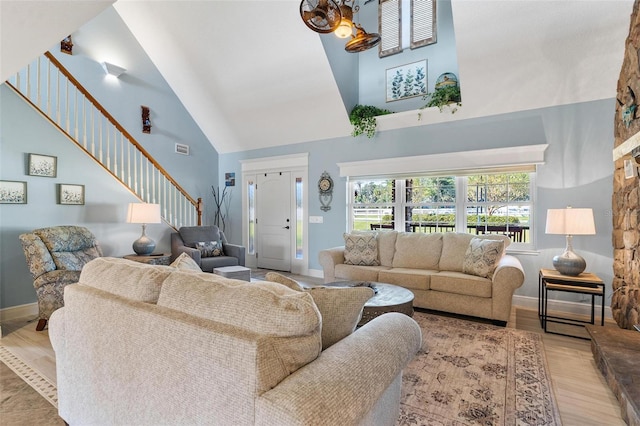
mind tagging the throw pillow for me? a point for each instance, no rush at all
(186, 263)
(275, 277)
(482, 256)
(361, 249)
(341, 310)
(340, 307)
(210, 248)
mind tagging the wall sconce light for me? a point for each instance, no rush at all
(146, 121)
(570, 222)
(111, 69)
(144, 213)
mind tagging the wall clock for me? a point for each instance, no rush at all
(325, 190)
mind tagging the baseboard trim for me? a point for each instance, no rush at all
(315, 273)
(577, 308)
(20, 311)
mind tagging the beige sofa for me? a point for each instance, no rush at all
(148, 345)
(435, 267)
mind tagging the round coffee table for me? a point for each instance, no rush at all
(388, 298)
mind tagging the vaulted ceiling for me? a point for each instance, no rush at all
(253, 76)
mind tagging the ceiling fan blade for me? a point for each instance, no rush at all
(322, 16)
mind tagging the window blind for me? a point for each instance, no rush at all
(423, 23)
(390, 27)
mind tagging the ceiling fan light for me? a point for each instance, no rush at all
(321, 16)
(361, 41)
(345, 29)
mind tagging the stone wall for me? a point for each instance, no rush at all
(625, 302)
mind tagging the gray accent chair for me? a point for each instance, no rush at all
(185, 239)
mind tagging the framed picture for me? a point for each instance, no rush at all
(230, 179)
(70, 194)
(406, 81)
(13, 192)
(43, 165)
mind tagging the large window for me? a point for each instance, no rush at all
(496, 203)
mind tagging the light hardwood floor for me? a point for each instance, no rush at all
(582, 395)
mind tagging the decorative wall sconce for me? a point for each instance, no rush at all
(66, 45)
(111, 69)
(628, 107)
(146, 122)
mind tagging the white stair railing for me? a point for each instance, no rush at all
(52, 91)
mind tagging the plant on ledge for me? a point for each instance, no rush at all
(363, 118)
(444, 96)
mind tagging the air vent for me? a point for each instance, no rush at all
(182, 149)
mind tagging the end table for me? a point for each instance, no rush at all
(585, 283)
(152, 259)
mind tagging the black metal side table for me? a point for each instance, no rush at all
(585, 283)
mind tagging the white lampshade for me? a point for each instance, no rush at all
(570, 221)
(144, 213)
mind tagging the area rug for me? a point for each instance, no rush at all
(470, 373)
(33, 378)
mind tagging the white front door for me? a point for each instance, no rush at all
(274, 225)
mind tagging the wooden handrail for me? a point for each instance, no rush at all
(116, 124)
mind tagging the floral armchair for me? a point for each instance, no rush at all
(55, 257)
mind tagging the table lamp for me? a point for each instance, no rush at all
(570, 222)
(144, 213)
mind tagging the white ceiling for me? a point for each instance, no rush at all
(269, 83)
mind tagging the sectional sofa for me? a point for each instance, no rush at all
(139, 344)
(451, 272)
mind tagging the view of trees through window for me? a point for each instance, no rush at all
(494, 203)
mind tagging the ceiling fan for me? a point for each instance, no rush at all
(326, 16)
(322, 16)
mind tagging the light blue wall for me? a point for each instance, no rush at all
(441, 57)
(578, 172)
(107, 38)
(344, 67)
(23, 131)
(368, 71)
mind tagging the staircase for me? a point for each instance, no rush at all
(52, 91)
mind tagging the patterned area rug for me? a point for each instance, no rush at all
(470, 373)
(33, 378)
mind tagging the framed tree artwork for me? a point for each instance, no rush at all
(406, 81)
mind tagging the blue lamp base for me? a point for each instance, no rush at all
(144, 245)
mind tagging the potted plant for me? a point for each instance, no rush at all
(444, 96)
(363, 118)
